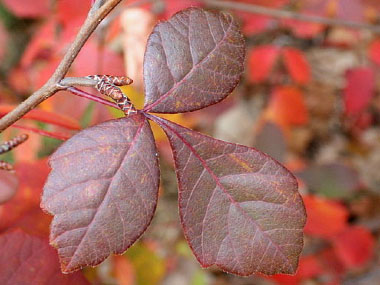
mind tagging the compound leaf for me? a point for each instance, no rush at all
(102, 191)
(239, 208)
(193, 60)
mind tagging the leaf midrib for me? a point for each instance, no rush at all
(216, 179)
(106, 194)
(184, 79)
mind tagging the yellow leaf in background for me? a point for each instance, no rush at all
(47, 105)
(137, 99)
(134, 95)
(143, 260)
(182, 248)
(180, 119)
(199, 278)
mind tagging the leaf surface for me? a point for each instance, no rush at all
(239, 208)
(193, 60)
(102, 191)
(27, 259)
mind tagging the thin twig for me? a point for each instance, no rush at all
(93, 80)
(95, 16)
(78, 81)
(284, 14)
(91, 97)
(96, 5)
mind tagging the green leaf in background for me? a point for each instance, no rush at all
(199, 278)
(149, 267)
(88, 113)
(330, 180)
(48, 145)
(183, 249)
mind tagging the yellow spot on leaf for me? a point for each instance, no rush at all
(241, 162)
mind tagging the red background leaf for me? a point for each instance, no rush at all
(287, 107)
(359, 89)
(297, 65)
(325, 218)
(69, 11)
(45, 116)
(260, 62)
(26, 259)
(31, 178)
(354, 246)
(174, 6)
(309, 267)
(29, 9)
(8, 186)
(374, 51)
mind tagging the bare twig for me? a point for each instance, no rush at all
(93, 80)
(95, 16)
(77, 81)
(284, 14)
(96, 5)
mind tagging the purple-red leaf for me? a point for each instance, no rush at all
(27, 259)
(102, 191)
(193, 60)
(239, 208)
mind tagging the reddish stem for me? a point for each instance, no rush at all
(91, 97)
(45, 117)
(58, 136)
